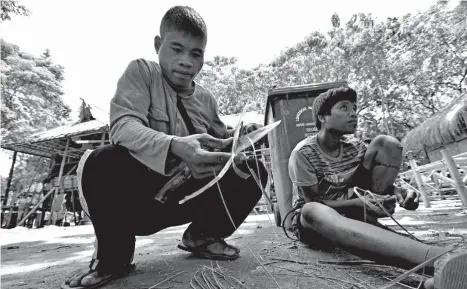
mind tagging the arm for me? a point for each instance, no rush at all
(129, 125)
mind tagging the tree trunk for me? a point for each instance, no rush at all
(386, 115)
(10, 177)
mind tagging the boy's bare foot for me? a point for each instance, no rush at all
(450, 272)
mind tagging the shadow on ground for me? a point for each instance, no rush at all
(269, 259)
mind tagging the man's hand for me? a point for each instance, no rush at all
(201, 161)
(252, 127)
(407, 199)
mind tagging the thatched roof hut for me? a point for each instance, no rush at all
(445, 128)
(62, 147)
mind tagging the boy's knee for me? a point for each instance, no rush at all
(385, 142)
(383, 149)
(316, 213)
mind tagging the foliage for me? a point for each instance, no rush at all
(28, 171)
(235, 87)
(31, 93)
(404, 69)
(10, 7)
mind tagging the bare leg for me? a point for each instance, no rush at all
(378, 172)
(383, 159)
(365, 240)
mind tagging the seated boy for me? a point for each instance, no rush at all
(159, 119)
(324, 169)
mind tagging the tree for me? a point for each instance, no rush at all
(31, 93)
(10, 7)
(234, 87)
(404, 69)
(29, 171)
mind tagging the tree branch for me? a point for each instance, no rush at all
(363, 107)
(450, 84)
(463, 77)
(420, 102)
(403, 123)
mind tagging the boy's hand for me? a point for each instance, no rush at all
(201, 161)
(388, 202)
(407, 199)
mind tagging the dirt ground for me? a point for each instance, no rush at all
(41, 258)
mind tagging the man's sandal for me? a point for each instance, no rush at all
(203, 252)
(105, 280)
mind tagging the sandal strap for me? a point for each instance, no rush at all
(93, 264)
(210, 241)
(223, 242)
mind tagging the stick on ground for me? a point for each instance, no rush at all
(165, 280)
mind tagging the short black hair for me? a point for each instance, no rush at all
(326, 100)
(184, 19)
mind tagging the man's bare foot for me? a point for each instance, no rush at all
(213, 247)
(88, 278)
(94, 279)
(85, 278)
(75, 277)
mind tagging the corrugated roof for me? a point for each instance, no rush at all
(67, 131)
(53, 141)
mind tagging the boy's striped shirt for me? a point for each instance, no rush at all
(309, 165)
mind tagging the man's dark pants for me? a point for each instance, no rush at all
(119, 191)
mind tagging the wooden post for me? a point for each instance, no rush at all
(60, 176)
(13, 201)
(418, 180)
(103, 139)
(73, 200)
(10, 177)
(455, 175)
(62, 165)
